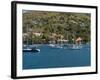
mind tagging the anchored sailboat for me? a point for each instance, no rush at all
(77, 44)
(28, 48)
(53, 45)
(56, 44)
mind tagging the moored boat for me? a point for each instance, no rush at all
(75, 47)
(55, 46)
(31, 50)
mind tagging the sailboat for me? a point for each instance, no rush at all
(27, 48)
(53, 45)
(77, 44)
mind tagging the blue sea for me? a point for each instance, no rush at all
(49, 57)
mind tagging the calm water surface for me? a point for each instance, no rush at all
(54, 58)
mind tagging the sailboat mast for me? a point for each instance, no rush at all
(27, 34)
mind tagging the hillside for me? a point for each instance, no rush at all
(69, 25)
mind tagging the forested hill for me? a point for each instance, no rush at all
(70, 25)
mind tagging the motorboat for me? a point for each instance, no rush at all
(31, 50)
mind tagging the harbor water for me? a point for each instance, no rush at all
(49, 57)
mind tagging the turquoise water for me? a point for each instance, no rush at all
(55, 58)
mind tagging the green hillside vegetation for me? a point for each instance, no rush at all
(69, 25)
